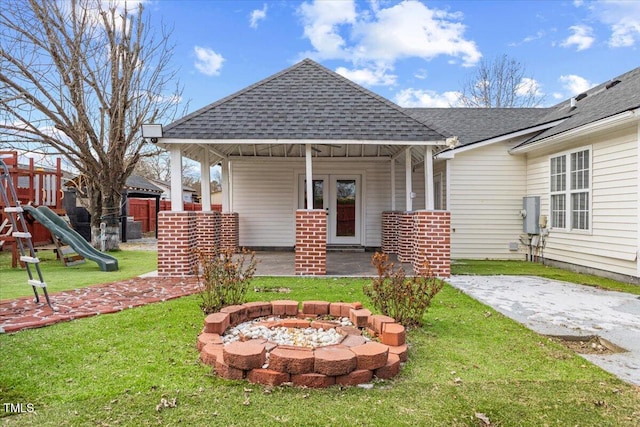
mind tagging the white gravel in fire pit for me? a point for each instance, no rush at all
(302, 337)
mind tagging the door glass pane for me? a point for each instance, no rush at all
(346, 207)
(318, 194)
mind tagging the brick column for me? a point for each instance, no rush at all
(176, 239)
(432, 242)
(405, 237)
(208, 231)
(390, 232)
(311, 242)
(229, 231)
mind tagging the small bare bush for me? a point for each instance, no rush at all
(406, 299)
(224, 278)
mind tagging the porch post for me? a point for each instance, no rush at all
(311, 230)
(408, 183)
(429, 203)
(205, 181)
(175, 153)
(393, 184)
(309, 176)
(226, 198)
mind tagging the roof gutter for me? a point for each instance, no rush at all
(603, 124)
(278, 141)
(450, 153)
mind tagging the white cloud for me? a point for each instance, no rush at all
(377, 38)
(369, 76)
(582, 37)
(411, 29)
(625, 33)
(528, 86)
(408, 98)
(575, 84)
(528, 39)
(622, 17)
(421, 74)
(257, 15)
(207, 61)
(321, 26)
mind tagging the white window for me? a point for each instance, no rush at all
(570, 187)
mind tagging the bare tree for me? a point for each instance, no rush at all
(79, 78)
(156, 167)
(501, 83)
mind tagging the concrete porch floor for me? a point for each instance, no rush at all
(339, 264)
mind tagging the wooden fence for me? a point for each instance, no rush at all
(144, 210)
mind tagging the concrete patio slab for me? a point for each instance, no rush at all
(550, 307)
(339, 264)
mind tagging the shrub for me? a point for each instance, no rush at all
(406, 299)
(224, 277)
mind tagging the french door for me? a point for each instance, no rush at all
(340, 196)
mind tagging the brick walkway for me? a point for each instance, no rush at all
(24, 313)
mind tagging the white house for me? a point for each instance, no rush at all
(580, 158)
(309, 142)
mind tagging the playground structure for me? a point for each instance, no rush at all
(36, 186)
(20, 234)
(39, 196)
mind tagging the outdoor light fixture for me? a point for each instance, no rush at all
(152, 132)
(452, 142)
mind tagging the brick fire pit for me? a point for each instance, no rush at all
(353, 361)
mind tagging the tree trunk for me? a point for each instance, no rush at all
(105, 229)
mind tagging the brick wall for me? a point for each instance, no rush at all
(311, 242)
(229, 231)
(432, 242)
(390, 232)
(208, 231)
(177, 237)
(405, 237)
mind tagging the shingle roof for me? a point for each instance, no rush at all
(478, 124)
(139, 183)
(605, 100)
(304, 102)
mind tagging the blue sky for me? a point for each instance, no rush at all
(415, 53)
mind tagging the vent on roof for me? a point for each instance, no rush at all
(581, 96)
(612, 84)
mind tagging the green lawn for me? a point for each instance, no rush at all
(13, 281)
(468, 359)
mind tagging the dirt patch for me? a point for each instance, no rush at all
(272, 289)
(590, 344)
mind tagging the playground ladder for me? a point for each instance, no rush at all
(20, 232)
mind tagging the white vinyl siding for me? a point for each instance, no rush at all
(265, 196)
(612, 242)
(486, 188)
(440, 172)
